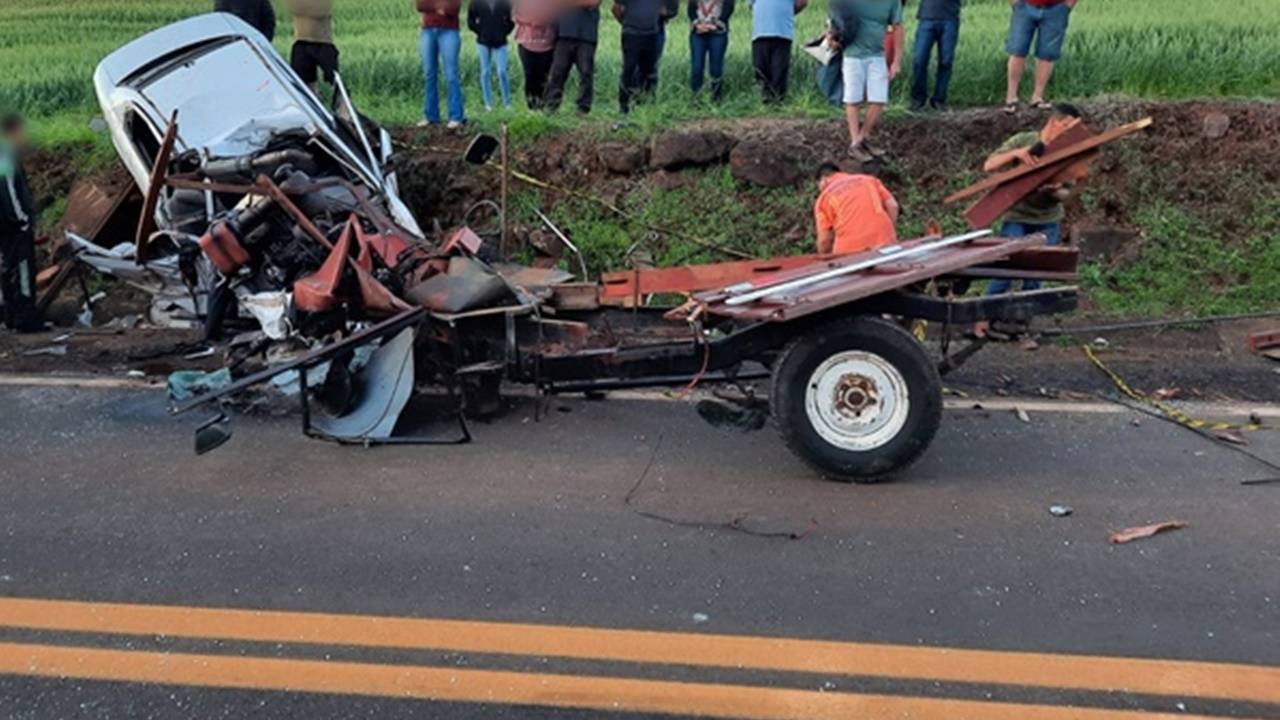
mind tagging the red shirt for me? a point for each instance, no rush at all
(433, 17)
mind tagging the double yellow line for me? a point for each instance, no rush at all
(1179, 679)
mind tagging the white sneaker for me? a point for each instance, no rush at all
(424, 123)
(454, 125)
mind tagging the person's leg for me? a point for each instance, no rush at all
(1021, 28)
(717, 46)
(855, 85)
(1008, 230)
(926, 36)
(1050, 36)
(659, 48)
(877, 83)
(561, 62)
(699, 47)
(760, 62)
(500, 60)
(650, 51)
(451, 51)
(948, 38)
(486, 57)
(585, 59)
(1052, 236)
(19, 261)
(627, 83)
(431, 70)
(782, 65)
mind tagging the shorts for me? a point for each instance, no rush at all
(866, 80)
(308, 58)
(1047, 24)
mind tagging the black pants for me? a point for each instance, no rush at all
(18, 279)
(571, 53)
(537, 68)
(639, 68)
(771, 57)
(312, 59)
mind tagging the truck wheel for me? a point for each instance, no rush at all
(857, 399)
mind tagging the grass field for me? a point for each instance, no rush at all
(1151, 48)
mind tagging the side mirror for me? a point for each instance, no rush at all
(213, 434)
(482, 149)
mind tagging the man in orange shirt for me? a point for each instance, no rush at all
(853, 212)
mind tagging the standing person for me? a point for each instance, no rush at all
(708, 42)
(313, 49)
(17, 231)
(491, 22)
(441, 45)
(670, 9)
(860, 27)
(257, 13)
(853, 213)
(535, 41)
(1046, 20)
(1042, 211)
(641, 22)
(773, 27)
(939, 25)
(579, 29)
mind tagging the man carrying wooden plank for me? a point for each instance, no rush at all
(1041, 211)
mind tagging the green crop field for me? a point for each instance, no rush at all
(1141, 48)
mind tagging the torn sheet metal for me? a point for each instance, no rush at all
(384, 388)
(271, 310)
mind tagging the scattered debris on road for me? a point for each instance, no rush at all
(1128, 535)
(1061, 510)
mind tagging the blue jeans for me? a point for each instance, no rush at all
(497, 58)
(944, 34)
(708, 49)
(1053, 235)
(439, 44)
(1047, 24)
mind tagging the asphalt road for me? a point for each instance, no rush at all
(376, 577)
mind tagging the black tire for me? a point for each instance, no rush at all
(888, 343)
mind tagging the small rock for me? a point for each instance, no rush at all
(1216, 125)
(674, 150)
(1060, 510)
(701, 618)
(1022, 415)
(622, 158)
(763, 164)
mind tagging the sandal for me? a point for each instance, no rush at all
(1011, 108)
(1042, 105)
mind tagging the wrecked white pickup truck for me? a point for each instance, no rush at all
(256, 197)
(210, 100)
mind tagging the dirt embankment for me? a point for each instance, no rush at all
(1212, 159)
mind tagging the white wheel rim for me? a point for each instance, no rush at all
(857, 401)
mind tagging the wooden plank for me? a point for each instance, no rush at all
(1000, 200)
(1096, 141)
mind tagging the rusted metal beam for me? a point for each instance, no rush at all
(696, 278)
(996, 203)
(1073, 151)
(147, 221)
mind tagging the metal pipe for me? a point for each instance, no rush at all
(888, 255)
(655, 381)
(1150, 324)
(567, 242)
